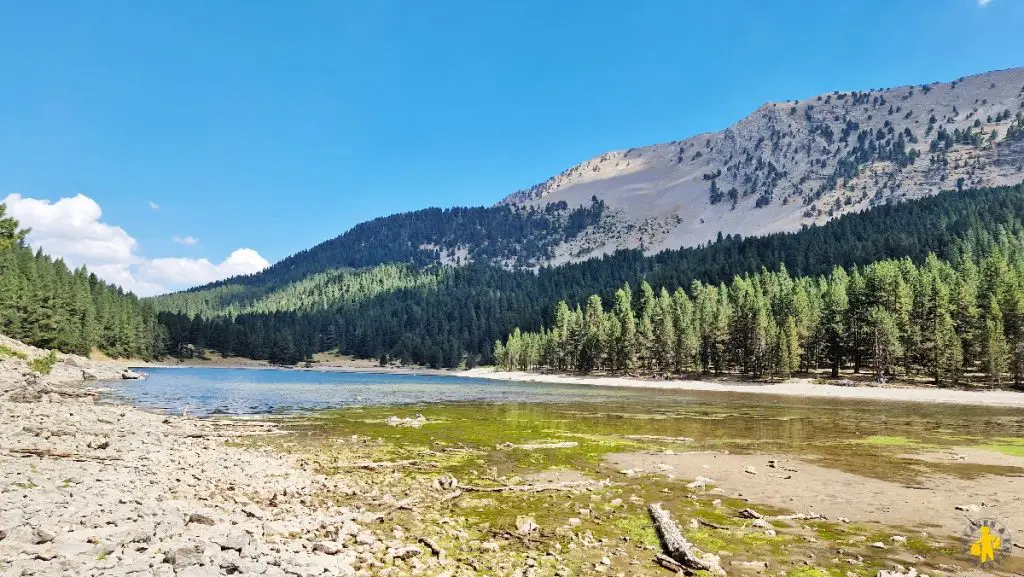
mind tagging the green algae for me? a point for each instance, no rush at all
(477, 443)
(1012, 446)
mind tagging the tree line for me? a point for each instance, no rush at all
(949, 323)
(452, 316)
(46, 304)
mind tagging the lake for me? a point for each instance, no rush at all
(213, 391)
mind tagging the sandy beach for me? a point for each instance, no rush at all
(792, 388)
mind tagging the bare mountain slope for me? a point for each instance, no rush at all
(799, 162)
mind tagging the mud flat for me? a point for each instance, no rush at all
(792, 388)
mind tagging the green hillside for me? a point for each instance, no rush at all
(450, 315)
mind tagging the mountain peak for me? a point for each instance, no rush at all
(799, 162)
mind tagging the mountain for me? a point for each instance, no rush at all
(842, 179)
(796, 163)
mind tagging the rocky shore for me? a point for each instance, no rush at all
(92, 489)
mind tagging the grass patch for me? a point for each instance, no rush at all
(1012, 446)
(638, 528)
(9, 353)
(44, 365)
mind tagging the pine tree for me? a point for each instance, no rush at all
(833, 322)
(995, 350)
(664, 333)
(645, 329)
(884, 337)
(625, 347)
(686, 335)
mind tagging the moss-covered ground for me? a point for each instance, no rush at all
(604, 528)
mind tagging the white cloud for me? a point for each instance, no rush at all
(188, 240)
(195, 271)
(983, 3)
(70, 228)
(154, 205)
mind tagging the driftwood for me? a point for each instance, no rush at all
(678, 548)
(670, 564)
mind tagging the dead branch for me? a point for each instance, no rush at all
(677, 547)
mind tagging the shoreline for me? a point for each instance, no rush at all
(794, 388)
(800, 388)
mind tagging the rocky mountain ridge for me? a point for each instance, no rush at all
(798, 162)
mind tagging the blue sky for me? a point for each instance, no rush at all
(272, 126)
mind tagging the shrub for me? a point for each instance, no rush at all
(43, 365)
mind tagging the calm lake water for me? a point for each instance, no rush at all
(207, 391)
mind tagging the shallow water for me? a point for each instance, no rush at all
(208, 391)
(716, 420)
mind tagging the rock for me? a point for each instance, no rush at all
(879, 545)
(750, 514)
(89, 376)
(365, 538)
(574, 522)
(750, 470)
(700, 483)
(41, 536)
(273, 529)
(129, 374)
(761, 524)
(326, 547)
(446, 483)
(184, 556)
(898, 539)
(47, 554)
(968, 508)
(198, 571)
(526, 525)
(405, 553)
(201, 518)
(234, 540)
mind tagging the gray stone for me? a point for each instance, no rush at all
(405, 553)
(183, 556)
(235, 540)
(201, 518)
(41, 536)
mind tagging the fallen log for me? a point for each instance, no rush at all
(678, 548)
